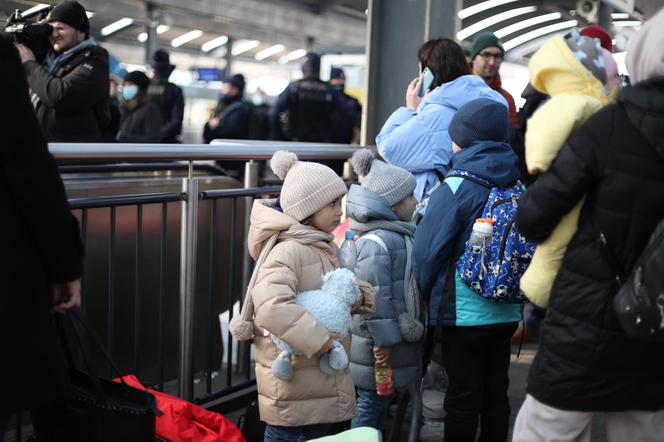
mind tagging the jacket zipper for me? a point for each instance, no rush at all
(498, 203)
(503, 242)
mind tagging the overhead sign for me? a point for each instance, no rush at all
(622, 5)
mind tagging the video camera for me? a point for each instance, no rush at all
(33, 34)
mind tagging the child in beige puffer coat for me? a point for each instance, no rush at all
(291, 240)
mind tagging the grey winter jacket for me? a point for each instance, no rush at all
(384, 269)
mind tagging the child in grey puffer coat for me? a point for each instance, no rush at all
(380, 210)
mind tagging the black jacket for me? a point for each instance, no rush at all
(141, 124)
(40, 245)
(585, 362)
(234, 121)
(170, 100)
(72, 103)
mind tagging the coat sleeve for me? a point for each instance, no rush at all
(233, 124)
(150, 129)
(275, 308)
(374, 265)
(414, 140)
(173, 127)
(279, 106)
(557, 191)
(32, 179)
(79, 90)
(435, 238)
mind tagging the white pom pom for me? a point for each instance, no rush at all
(361, 161)
(241, 330)
(281, 163)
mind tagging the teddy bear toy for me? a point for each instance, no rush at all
(331, 306)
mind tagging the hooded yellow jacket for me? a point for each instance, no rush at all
(575, 95)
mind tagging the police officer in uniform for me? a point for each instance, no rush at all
(167, 96)
(303, 110)
(346, 127)
(69, 89)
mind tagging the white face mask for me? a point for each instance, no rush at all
(129, 92)
(258, 100)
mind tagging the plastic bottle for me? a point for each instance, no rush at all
(482, 232)
(384, 382)
(348, 252)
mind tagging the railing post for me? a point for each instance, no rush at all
(188, 239)
(251, 171)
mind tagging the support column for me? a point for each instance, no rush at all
(152, 43)
(392, 52)
(228, 69)
(441, 19)
(391, 59)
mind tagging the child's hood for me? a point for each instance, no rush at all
(363, 206)
(491, 160)
(265, 221)
(555, 70)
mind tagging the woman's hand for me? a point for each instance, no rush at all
(413, 93)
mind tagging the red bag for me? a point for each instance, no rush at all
(183, 421)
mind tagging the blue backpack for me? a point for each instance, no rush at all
(494, 271)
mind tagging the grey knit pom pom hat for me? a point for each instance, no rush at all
(392, 183)
(308, 187)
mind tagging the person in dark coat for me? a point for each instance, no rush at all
(70, 88)
(232, 116)
(260, 123)
(42, 253)
(585, 362)
(302, 111)
(167, 96)
(141, 118)
(346, 126)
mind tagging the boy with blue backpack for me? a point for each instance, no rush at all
(471, 287)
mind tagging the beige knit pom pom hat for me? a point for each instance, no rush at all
(308, 187)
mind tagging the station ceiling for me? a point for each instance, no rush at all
(327, 25)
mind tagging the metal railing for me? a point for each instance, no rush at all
(190, 199)
(133, 303)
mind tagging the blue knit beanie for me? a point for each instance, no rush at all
(479, 120)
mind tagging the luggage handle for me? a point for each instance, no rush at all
(76, 314)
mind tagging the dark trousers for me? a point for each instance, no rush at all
(477, 360)
(274, 433)
(3, 426)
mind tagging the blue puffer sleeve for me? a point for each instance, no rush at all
(434, 239)
(374, 265)
(417, 141)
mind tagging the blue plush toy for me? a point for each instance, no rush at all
(331, 306)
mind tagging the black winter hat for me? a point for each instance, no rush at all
(161, 56)
(236, 80)
(479, 120)
(71, 13)
(311, 65)
(337, 73)
(139, 79)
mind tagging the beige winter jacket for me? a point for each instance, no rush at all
(292, 266)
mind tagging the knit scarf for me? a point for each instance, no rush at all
(242, 327)
(411, 292)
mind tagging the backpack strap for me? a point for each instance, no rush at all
(470, 177)
(377, 239)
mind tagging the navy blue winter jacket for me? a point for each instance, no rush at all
(442, 234)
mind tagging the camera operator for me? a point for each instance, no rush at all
(70, 87)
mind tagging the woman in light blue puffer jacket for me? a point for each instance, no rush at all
(415, 136)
